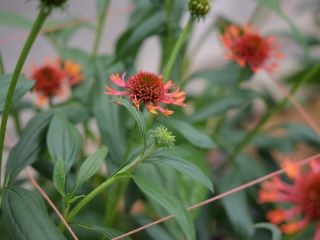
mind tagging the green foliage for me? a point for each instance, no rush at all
(275, 231)
(26, 216)
(59, 177)
(29, 147)
(64, 141)
(90, 166)
(168, 202)
(185, 167)
(23, 86)
(191, 134)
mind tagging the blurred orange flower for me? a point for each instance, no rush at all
(303, 195)
(249, 48)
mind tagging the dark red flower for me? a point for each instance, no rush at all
(148, 88)
(249, 48)
(49, 80)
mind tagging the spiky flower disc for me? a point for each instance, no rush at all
(249, 48)
(302, 196)
(148, 88)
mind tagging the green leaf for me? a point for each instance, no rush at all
(30, 145)
(130, 41)
(274, 5)
(169, 202)
(64, 141)
(26, 217)
(108, 117)
(191, 134)
(302, 133)
(104, 231)
(235, 99)
(23, 86)
(155, 232)
(236, 205)
(14, 19)
(275, 231)
(226, 76)
(59, 177)
(185, 167)
(90, 166)
(137, 116)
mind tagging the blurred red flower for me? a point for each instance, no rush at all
(148, 88)
(249, 48)
(303, 195)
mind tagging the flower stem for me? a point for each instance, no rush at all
(252, 134)
(181, 40)
(43, 14)
(2, 68)
(101, 21)
(126, 169)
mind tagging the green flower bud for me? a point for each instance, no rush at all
(163, 137)
(199, 8)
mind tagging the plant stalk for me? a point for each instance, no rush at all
(181, 40)
(126, 169)
(101, 21)
(2, 68)
(252, 134)
(37, 25)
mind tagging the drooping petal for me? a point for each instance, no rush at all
(116, 79)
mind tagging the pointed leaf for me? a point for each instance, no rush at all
(191, 134)
(26, 217)
(137, 116)
(59, 177)
(104, 231)
(90, 166)
(185, 167)
(169, 202)
(23, 86)
(28, 148)
(64, 141)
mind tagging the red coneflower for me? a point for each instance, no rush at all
(148, 88)
(49, 80)
(303, 195)
(73, 69)
(249, 48)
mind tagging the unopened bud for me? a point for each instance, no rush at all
(53, 3)
(199, 8)
(163, 137)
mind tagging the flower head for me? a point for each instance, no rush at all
(199, 8)
(49, 80)
(148, 88)
(163, 137)
(303, 195)
(73, 70)
(53, 3)
(249, 48)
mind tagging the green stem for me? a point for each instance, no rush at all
(108, 182)
(252, 134)
(101, 21)
(2, 68)
(17, 123)
(181, 40)
(43, 14)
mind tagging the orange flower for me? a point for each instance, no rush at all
(73, 70)
(49, 80)
(249, 48)
(148, 88)
(303, 195)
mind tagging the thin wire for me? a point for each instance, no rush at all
(18, 37)
(225, 194)
(309, 120)
(46, 197)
